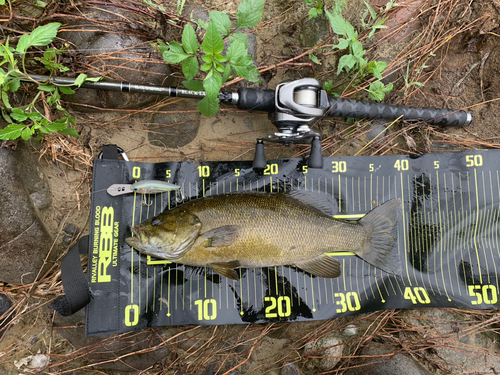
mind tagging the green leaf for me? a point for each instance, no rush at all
(372, 12)
(343, 44)
(241, 37)
(208, 107)
(337, 23)
(249, 13)
(313, 13)
(193, 85)
(377, 90)
(212, 84)
(70, 131)
(221, 21)
(203, 24)
(313, 58)
(12, 131)
(207, 58)
(175, 53)
(357, 49)
(189, 40)
(26, 133)
(347, 62)
(80, 79)
(18, 115)
(47, 88)
(206, 67)
(376, 68)
(190, 67)
(41, 36)
(236, 51)
(5, 100)
(13, 84)
(162, 47)
(7, 118)
(220, 58)
(245, 68)
(227, 72)
(66, 90)
(56, 126)
(212, 42)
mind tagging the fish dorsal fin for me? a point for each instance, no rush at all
(226, 268)
(312, 200)
(221, 236)
(322, 266)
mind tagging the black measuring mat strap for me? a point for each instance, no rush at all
(110, 152)
(76, 287)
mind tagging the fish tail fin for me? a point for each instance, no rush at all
(380, 226)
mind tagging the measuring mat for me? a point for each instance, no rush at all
(447, 240)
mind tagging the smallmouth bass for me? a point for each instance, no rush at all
(251, 229)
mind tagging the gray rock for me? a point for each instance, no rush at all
(33, 177)
(5, 305)
(174, 129)
(328, 348)
(377, 130)
(118, 56)
(290, 368)
(457, 346)
(383, 365)
(25, 242)
(313, 31)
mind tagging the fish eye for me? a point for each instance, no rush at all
(156, 222)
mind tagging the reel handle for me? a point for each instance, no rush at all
(435, 116)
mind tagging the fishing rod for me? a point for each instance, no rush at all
(293, 107)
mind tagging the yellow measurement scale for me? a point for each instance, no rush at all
(447, 241)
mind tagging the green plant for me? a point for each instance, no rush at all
(29, 122)
(409, 84)
(373, 25)
(317, 8)
(353, 63)
(219, 66)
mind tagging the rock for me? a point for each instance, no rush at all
(35, 363)
(25, 242)
(5, 305)
(329, 348)
(457, 347)
(174, 129)
(70, 228)
(351, 330)
(124, 56)
(313, 31)
(290, 368)
(377, 130)
(382, 364)
(33, 177)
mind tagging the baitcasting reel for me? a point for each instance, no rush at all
(293, 107)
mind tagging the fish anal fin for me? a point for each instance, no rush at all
(221, 236)
(322, 266)
(226, 269)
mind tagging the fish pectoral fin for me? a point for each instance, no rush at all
(222, 236)
(226, 269)
(322, 266)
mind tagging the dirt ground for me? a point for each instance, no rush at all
(449, 46)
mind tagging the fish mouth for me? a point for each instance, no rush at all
(134, 241)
